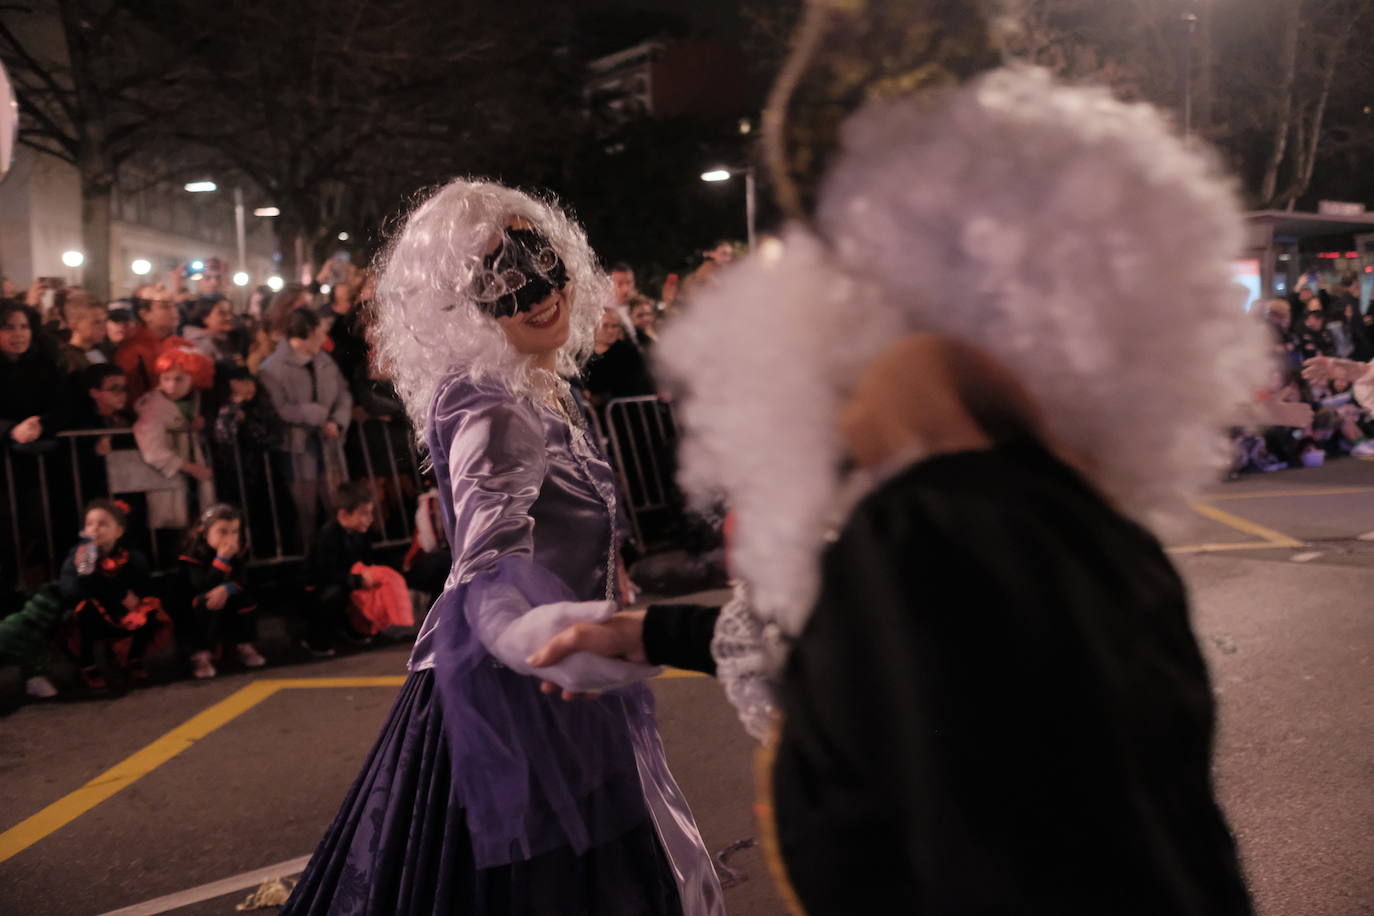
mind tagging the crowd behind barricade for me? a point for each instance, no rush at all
(1312, 322)
(157, 446)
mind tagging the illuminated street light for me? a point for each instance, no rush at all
(199, 187)
(343, 236)
(141, 267)
(73, 258)
(324, 289)
(275, 284)
(241, 279)
(267, 211)
(749, 208)
(197, 266)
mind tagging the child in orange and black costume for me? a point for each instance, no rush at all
(220, 609)
(107, 589)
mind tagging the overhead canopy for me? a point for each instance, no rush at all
(1287, 224)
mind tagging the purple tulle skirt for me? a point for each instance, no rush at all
(400, 845)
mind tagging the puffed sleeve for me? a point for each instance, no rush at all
(497, 459)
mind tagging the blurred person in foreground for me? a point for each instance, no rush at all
(969, 660)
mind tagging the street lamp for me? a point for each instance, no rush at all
(343, 236)
(724, 174)
(240, 236)
(73, 258)
(1190, 26)
(241, 278)
(141, 267)
(274, 283)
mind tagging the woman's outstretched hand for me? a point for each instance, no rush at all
(620, 636)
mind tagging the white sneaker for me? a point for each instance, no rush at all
(1363, 449)
(40, 687)
(200, 665)
(249, 655)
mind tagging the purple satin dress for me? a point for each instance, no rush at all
(483, 795)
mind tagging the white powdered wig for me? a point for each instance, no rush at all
(427, 324)
(1070, 235)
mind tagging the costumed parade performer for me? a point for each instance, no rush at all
(970, 662)
(482, 794)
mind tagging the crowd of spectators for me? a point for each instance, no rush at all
(1312, 322)
(137, 433)
(197, 436)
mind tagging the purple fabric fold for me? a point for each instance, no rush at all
(531, 772)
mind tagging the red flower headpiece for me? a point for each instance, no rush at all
(189, 360)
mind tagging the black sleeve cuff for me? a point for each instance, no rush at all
(680, 635)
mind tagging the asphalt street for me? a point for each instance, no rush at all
(207, 780)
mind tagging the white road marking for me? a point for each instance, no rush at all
(212, 890)
(1305, 557)
(1367, 536)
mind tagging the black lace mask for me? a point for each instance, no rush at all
(519, 274)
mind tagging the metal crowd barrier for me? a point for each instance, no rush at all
(372, 443)
(643, 435)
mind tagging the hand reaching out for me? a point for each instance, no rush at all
(621, 636)
(216, 598)
(1333, 369)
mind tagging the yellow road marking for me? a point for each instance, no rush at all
(1229, 545)
(1271, 537)
(1268, 494)
(67, 809)
(133, 768)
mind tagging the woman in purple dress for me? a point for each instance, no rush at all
(483, 794)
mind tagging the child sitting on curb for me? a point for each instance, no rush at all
(221, 611)
(108, 590)
(328, 570)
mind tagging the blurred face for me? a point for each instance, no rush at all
(161, 317)
(222, 532)
(722, 254)
(309, 346)
(359, 520)
(88, 327)
(220, 321)
(643, 316)
(102, 528)
(242, 389)
(112, 395)
(624, 283)
(1314, 321)
(343, 298)
(116, 331)
(15, 335)
(175, 383)
(609, 330)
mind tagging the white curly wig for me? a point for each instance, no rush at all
(426, 323)
(1070, 235)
